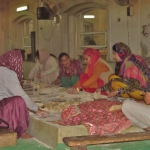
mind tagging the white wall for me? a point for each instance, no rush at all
(54, 38)
(145, 20)
(2, 37)
(49, 36)
(124, 28)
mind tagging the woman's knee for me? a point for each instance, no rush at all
(112, 76)
(126, 106)
(114, 85)
(147, 98)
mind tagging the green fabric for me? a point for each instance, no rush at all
(66, 82)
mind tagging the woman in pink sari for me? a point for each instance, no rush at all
(14, 102)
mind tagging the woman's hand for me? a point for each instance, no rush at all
(50, 85)
(42, 113)
(98, 90)
(39, 76)
(113, 93)
(28, 80)
(72, 90)
(142, 93)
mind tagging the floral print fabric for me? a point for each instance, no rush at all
(95, 115)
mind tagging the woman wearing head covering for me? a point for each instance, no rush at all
(13, 100)
(46, 70)
(135, 80)
(70, 70)
(90, 80)
(133, 73)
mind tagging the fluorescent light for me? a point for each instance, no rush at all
(89, 16)
(22, 8)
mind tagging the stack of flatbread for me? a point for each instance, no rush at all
(57, 106)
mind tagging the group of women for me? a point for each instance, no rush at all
(131, 80)
(69, 72)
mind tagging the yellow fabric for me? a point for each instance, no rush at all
(117, 84)
(98, 69)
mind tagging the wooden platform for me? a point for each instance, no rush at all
(81, 142)
(52, 134)
(7, 137)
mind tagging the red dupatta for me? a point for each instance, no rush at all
(94, 55)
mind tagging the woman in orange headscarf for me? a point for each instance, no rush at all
(90, 80)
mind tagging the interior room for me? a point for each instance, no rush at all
(86, 33)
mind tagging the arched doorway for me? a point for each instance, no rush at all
(23, 28)
(73, 25)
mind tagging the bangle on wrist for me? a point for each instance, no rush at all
(119, 91)
(102, 89)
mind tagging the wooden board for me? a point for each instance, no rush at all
(98, 139)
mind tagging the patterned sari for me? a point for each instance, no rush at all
(133, 70)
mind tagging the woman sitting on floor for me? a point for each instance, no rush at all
(90, 80)
(133, 74)
(137, 112)
(13, 100)
(70, 71)
(46, 70)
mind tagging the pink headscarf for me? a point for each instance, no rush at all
(95, 55)
(43, 57)
(13, 61)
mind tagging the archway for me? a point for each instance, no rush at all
(71, 19)
(22, 26)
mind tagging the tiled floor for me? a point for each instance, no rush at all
(139, 145)
(26, 144)
(31, 144)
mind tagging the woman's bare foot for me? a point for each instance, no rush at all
(147, 129)
(25, 136)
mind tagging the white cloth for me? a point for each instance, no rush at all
(105, 75)
(49, 74)
(10, 86)
(137, 113)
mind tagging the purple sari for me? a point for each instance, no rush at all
(13, 110)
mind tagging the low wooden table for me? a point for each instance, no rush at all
(81, 142)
